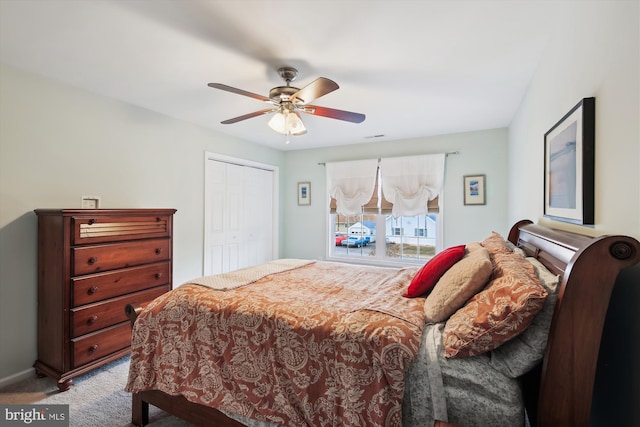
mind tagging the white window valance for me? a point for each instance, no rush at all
(351, 184)
(410, 182)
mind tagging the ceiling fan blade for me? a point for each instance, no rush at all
(249, 116)
(332, 113)
(314, 90)
(239, 91)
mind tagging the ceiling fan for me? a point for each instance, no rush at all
(288, 101)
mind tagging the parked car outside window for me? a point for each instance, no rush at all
(339, 238)
(355, 241)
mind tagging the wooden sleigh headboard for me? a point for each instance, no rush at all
(560, 392)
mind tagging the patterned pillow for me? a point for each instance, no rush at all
(462, 281)
(501, 311)
(521, 354)
(426, 278)
(495, 244)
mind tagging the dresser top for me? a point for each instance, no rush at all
(69, 212)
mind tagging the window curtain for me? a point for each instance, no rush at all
(409, 183)
(372, 206)
(351, 184)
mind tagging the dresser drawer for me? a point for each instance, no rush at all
(108, 228)
(97, 287)
(94, 259)
(99, 344)
(100, 315)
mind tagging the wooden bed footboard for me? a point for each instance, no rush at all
(559, 392)
(193, 413)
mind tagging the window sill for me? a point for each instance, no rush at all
(376, 262)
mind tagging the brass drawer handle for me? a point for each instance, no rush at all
(93, 348)
(158, 275)
(92, 290)
(93, 260)
(92, 320)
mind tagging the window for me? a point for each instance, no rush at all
(375, 234)
(383, 238)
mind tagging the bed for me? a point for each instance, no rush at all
(361, 353)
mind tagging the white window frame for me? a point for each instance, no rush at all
(379, 260)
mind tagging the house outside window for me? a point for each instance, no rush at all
(383, 239)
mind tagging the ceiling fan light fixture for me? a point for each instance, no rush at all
(294, 124)
(287, 123)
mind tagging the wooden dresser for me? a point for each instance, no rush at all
(91, 264)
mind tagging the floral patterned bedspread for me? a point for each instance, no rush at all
(326, 344)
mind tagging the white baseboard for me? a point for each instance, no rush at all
(11, 379)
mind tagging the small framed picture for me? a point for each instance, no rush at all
(474, 191)
(90, 202)
(304, 193)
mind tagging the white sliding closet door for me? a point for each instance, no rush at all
(239, 216)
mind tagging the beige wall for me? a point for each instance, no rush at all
(57, 144)
(595, 53)
(481, 152)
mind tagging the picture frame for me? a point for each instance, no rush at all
(569, 166)
(304, 193)
(474, 190)
(90, 202)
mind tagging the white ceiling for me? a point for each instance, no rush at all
(414, 68)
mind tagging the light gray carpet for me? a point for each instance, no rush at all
(96, 399)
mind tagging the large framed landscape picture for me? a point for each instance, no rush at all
(569, 158)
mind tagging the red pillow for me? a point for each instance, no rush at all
(427, 277)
